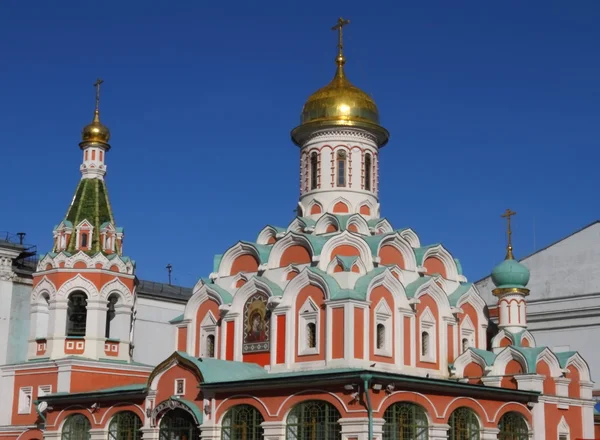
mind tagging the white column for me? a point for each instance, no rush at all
(588, 419)
(95, 328)
(7, 385)
(490, 434)
(121, 323)
(539, 421)
(6, 288)
(57, 328)
(358, 428)
(274, 430)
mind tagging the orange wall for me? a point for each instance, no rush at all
(359, 328)
(90, 379)
(295, 255)
(32, 378)
(543, 368)
(244, 263)
(181, 338)
(470, 311)
(208, 305)
(390, 255)
(434, 265)
(281, 332)
(337, 316)
(345, 250)
(407, 338)
(166, 384)
(230, 340)
(99, 279)
(377, 294)
(428, 301)
(508, 381)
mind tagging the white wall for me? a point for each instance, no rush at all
(154, 337)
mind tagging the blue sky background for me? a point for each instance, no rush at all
(490, 105)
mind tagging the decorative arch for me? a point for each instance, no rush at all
(340, 205)
(253, 286)
(118, 287)
(268, 235)
(527, 339)
(467, 358)
(411, 237)
(403, 247)
(582, 366)
(201, 293)
(300, 420)
(467, 333)
(382, 227)
(242, 421)
(504, 357)
(360, 224)
(78, 282)
(304, 279)
(45, 286)
(439, 296)
(393, 285)
(290, 240)
(440, 253)
(240, 249)
(315, 208)
(346, 238)
(405, 419)
(326, 223)
(550, 358)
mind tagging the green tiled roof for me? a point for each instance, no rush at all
(530, 354)
(113, 390)
(564, 356)
(193, 407)
(455, 296)
(217, 262)
(458, 266)
(90, 203)
(226, 297)
(412, 288)
(275, 289)
(176, 319)
(217, 370)
(307, 221)
(487, 356)
(420, 252)
(347, 262)
(316, 241)
(363, 282)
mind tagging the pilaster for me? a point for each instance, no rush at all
(357, 428)
(212, 432)
(98, 434)
(438, 431)
(490, 434)
(274, 430)
(150, 433)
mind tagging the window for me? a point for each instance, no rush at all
(76, 314)
(314, 170)
(405, 421)
(464, 425)
(84, 239)
(311, 335)
(210, 346)
(93, 154)
(242, 422)
(76, 427)
(125, 425)
(110, 314)
(467, 333)
(308, 328)
(341, 168)
(25, 400)
(44, 390)
(563, 437)
(314, 420)
(380, 336)
(382, 340)
(465, 344)
(178, 424)
(368, 167)
(425, 344)
(179, 387)
(512, 426)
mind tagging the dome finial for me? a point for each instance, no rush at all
(95, 131)
(340, 60)
(509, 250)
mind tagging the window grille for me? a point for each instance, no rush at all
(513, 427)
(464, 425)
(242, 422)
(313, 420)
(311, 335)
(84, 239)
(341, 165)
(405, 421)
(380, 336)
(368, 172)
(76, 314)
(210, 346)
(125, 425)
(465, 344)
(314, 170)
(77, 427)
(424, 344)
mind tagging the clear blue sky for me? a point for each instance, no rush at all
(490, 105)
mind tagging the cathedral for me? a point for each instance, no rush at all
(335, 327)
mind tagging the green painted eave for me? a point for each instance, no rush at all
(90, 203)
(420, 252)
(455, 296)
(273, 287)
(347, 262)
(412, 288)
(217, 262)
(217, 370)
(363, 282)
(342, 220)
(530, 354)
(458, 266)
(263, 250)
(106, 392)
(307, 221)
(564, 357)
(176, 319)
(488, 356)
(226, 297)
(335, 291)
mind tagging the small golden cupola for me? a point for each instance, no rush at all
(339, 103)
(95, 132)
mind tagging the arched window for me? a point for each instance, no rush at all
(125, 425)
(178, 424)
(76, 427)
(311, 335)
(110, 314)
(368, 168)
(341, 168)
(424, 344)
(513, 427)
(464, 425)
(84, 239)
(380, 336)
(314, 170)
(210, 346)
(314, 420)
(76, 314)
(405, 421)
(465, 344)
(242, 422)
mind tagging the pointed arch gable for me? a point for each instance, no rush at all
(362, 227)
(268, 235)
(201, 293)
(581, 365)
(382, 227)
(78, 282)
(177, 358)
(305, 278)
(439, 296)
(391, 283)
(346, 238)
(240, 249)
(466, 358)
(546, 355)
(45, 286)
(325, 223)
(253, 286)
(397, 242)
(504, 357)
(440, 253)
(341, 205)
(288, 241)
(411, 237)
(116, 285)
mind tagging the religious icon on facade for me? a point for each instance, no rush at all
(256, 324)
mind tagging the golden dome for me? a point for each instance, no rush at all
(339, 103)
(96, 131)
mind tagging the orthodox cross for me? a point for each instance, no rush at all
(507, 215)
(338, 27)
(97, 85)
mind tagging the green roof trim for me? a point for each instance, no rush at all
(226, 297)
(193, 407)
(274, 287)
(530, 354)
(90, 203)
(307, 221)
(335, 291)
(176, 319)
(263, 250)
(217, 262)
(458, 266)
(141, 388)
(488, 356)
(316, 241)
(363, 282)
(217, 370)
(564, 357)
(347, 262)
(455, 296)
(411, 289)
(420, 252)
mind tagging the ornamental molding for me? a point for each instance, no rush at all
(167, 405)
(90, 261)
(117, 286)
(341, 135)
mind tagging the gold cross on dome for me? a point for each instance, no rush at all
(97, 85)
(338, 27)
(507, 215)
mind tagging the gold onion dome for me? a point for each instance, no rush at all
(96, 131)
(340, 103)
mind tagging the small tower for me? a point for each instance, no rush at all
(510, 278)
(339, 138)
(83, 294)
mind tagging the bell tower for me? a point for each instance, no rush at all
(83, 294)
(339, 138)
